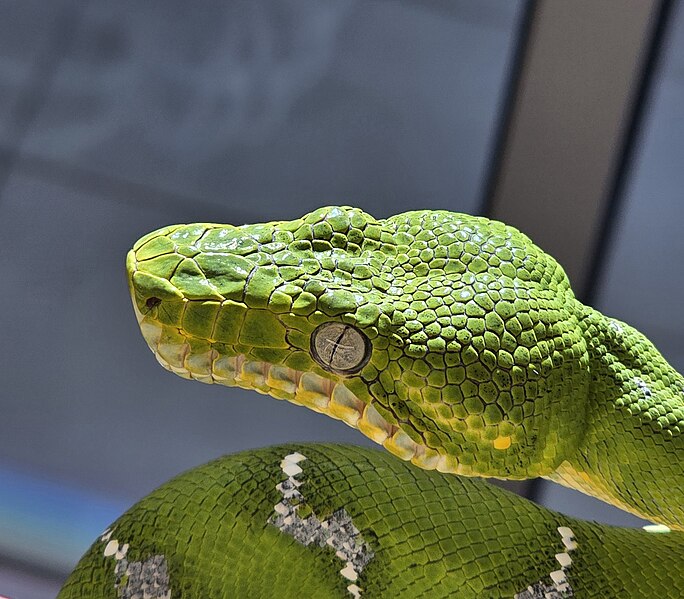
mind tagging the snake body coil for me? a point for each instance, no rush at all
(454, 342)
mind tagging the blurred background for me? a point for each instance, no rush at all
(564, 119)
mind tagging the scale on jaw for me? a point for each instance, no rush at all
(338, 347)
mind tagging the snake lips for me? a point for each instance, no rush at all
(452, 340)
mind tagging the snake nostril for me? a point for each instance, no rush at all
(152, 302)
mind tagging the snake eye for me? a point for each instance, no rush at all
(340, 348)
(152, 302)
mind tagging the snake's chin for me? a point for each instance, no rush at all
(306, 389)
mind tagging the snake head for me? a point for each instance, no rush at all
(450, 339)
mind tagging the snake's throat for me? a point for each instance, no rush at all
(306, 389)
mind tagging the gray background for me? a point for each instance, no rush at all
(118, 118)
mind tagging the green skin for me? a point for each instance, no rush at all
(432, 536)
(480, 361)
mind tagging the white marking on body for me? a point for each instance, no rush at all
(643, 387)
(295, 457)
(616, 327)
(559, 587)
(569, 544)
(348, 571)
(121, 552)
(337, 531)
(147, 579)
(111, 548)
(657, 528)
(291, 469)
(563, 559)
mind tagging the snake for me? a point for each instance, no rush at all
(455, 343)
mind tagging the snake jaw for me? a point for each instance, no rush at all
(306, 389)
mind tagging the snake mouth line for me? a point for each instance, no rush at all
(306, 389)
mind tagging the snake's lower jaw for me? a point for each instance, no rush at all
(306, 389)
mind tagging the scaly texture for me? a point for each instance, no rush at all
(452, 340)
(213, 533)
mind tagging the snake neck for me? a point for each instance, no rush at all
(635, 425)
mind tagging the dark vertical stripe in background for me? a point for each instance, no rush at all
(506, 111)
(631, 137)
